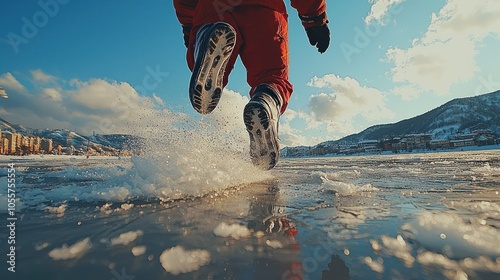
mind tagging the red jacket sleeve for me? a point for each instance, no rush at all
(184, 9)
(311, 9)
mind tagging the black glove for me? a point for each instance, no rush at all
(319, 36)
(317, 31)
(186, 30)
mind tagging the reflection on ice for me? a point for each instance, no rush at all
(459, 269)
(397, 247)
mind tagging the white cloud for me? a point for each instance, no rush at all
(347, 101)
(158, 99)
(40, 76)
(380, 9)
(87, 106)
(445, 54)
(108, 97)
(7, 80)
(52, 93)
(407, 92)
(291, 137)
(436, 66)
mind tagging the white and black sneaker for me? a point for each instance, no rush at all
(214, 45)
(261, 117)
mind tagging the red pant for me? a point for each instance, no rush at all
(261, 42)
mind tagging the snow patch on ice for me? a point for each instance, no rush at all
(233, 230)
(487, 170)
(450, 235)
(375, 265)
(126, 206)
(76, 250)
(177, 260)
(259, 234)
(106, 208)
(275, 244)
(58, 210)
(126, 237)
(355, 173)
(41, 246)
(343, 188)
(138, 250)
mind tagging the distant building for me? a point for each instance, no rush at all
(416, 141)
(14, 140)
(5, 146)
(440, 144)
(369, 146)
(37, 143)
(393, 144)
(46, 145)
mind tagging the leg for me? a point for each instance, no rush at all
(264, 51)
(211, 58)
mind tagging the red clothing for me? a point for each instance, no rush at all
(186, 9)
(261, 35)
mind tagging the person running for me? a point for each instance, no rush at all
(217, 31)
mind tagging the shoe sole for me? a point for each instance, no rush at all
(264, 143)
(206, 84)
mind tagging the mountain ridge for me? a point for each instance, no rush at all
(458, 116)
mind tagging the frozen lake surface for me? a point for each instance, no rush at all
(416, 216)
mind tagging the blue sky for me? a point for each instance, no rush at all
(107, 66)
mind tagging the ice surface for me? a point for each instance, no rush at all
(177, 260)
(76, 250)
(424, 216)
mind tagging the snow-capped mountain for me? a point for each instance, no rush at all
(458, 116)
(67, 138)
